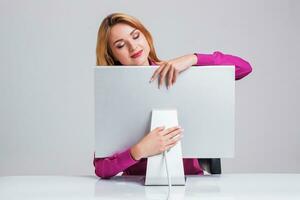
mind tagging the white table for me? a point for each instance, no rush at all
(225, 186)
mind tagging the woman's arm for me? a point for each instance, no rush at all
(110, 166)
(170, 69)
(242, 67)
(155, 142)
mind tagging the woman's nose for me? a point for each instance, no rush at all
(132, 47)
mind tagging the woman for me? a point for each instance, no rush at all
(123, 40)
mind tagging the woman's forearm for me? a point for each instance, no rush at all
(110, 166)
(242, 67)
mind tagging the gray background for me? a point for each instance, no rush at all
(47, 49)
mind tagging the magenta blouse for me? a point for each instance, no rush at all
(122, 160)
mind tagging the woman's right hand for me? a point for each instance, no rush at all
(156, 142)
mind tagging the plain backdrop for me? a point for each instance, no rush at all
(47, 50)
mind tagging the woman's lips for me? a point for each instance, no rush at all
(139, 53)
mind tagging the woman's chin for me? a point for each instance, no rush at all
(139, 62)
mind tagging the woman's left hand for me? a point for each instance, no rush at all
(171, 69)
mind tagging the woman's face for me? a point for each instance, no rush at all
(129, 45)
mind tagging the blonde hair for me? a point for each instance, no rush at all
(103, 52)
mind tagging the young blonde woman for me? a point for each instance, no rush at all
(123, 40)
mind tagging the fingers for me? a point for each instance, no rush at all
(175, 76)
(163, 74)
(174, 139)
(174, 133)
(173, 142)
(170, 77)
(169, 130)
(168, 137)
(160, 128)
(157, 72)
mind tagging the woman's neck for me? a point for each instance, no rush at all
(148, 62)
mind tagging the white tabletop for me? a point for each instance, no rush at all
(225, 186)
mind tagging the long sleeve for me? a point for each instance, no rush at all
(242, 67)
(110, 166)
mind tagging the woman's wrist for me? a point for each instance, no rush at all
(135, 152)
(194, 59)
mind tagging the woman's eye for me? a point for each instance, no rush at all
(120, 46)
(136, 36)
